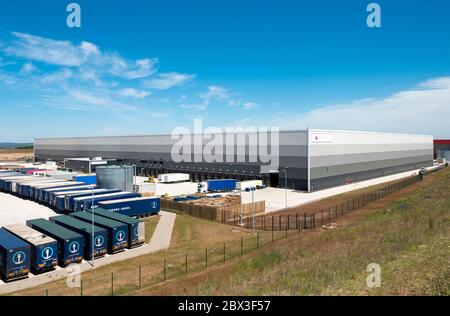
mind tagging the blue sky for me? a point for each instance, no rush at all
(144, 67)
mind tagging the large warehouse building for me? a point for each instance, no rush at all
(311, 159)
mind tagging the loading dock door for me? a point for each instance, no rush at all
(274, 179)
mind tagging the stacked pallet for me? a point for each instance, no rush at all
(220, 208)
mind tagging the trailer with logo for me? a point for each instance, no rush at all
(95, 238)
(6, 182)
(26, 190)
(41, 191)
(23, 187)
(33, 191)
(44, 249)
(69, 200)
(70, 244)
(58, 192)
(17, 185)
(48, 193)
(117, 231)
(14, 257)
(86, 203)
(139, 207)
(136, 228)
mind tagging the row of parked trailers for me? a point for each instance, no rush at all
(75, 196)
(63, 240)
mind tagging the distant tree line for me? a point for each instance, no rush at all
(16, 146)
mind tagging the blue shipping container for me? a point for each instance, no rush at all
(49, 193)
(44, 249)
(43, 192)
(221, 185)
(117, 231)
(95, 238)
(87, 204)
(136, 228)
(69, 200)
(53, 194)
(14, 257)
(142, 206)
(88, 179)
(70, 244)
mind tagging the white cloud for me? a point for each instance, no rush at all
(27, 69)
(249, 105)
(199, 107)
(62, 53)
(168, 80)
(67, 54)
(221, 94)
(57, 77)
(131, 70)
(424, 110)
(216, 92)
(130, 92)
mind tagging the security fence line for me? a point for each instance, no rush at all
(298, 221)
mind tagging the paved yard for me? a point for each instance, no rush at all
(276, 198)
(14, 210)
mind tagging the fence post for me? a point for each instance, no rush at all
(296, 221)
(279, 222)
(288, 222)
(273, 226)
(257, 240)
(286, 231)
(140, 276)
(112, 283)
(164, 269)
(321, 217)
(304, 221)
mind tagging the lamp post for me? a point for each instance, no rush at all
(253, 207)
(240, 211)
(92, 218)
(285, 186)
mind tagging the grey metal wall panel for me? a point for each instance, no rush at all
(343, 169)
(336, 160)
(349, 149)
(328, 182)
